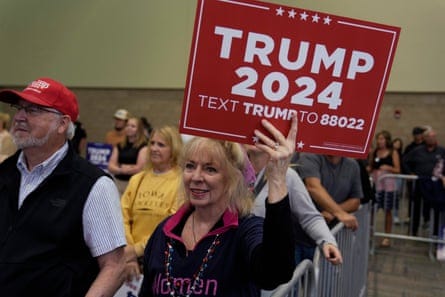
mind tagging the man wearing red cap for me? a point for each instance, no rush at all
(61, 229)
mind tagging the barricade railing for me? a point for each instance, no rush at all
(403, 201)
(302, 283)
(350, 278)
(323, 279)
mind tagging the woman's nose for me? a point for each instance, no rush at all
(197, 174)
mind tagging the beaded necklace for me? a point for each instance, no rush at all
(174, 287)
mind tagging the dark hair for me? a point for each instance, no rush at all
(147, 126)
(400, 149)
(387, 136)
(418, 130)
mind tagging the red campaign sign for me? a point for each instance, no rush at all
(252, 60)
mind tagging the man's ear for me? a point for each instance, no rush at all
(63, 124)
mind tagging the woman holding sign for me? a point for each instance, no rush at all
(213, 246)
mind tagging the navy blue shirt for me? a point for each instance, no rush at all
(249, 254)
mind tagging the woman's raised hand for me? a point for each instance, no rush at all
(280, 150)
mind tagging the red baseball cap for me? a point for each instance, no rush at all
(48, 93)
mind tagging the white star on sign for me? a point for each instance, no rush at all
(300, 145)
(315, 18)
(303, 16)
(280, 11)
(327, 20)
(292, 13)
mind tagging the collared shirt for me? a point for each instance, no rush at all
(103, 229)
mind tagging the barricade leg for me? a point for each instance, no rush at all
(440, 252)
(421, 188)
(348, 279)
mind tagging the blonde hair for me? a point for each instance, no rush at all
(173, 139)
(5, 119)
(140, 135)
(231, 158)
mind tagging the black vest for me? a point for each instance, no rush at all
(42, 250)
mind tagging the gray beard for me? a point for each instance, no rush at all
(31, 141)
(22, 143)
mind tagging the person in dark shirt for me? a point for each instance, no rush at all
(130, 155)
(421, 162)
(79, 139)
(417, 134)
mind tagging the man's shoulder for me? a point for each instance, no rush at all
(84, 167)
(351, 164)
(309, 157)
(111, 134)
(310, 165)
(349, 160)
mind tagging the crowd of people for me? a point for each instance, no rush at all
(187, 214)
(422, 158)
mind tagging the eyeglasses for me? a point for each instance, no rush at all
(34, 110)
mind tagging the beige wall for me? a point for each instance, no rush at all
(419, 65)
(416, 110)
(145, 43)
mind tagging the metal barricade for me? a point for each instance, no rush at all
(322, 279)
(348, 279)
(302, 283)
(400, 232)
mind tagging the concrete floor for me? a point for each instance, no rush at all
(406, 269)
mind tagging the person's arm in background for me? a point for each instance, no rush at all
(113, 164)
(350, 205)
(310, 219)
(130, 169)
(330, 208)
(395, 168)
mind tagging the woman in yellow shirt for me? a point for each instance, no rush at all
(151, 195)
(7, 146)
